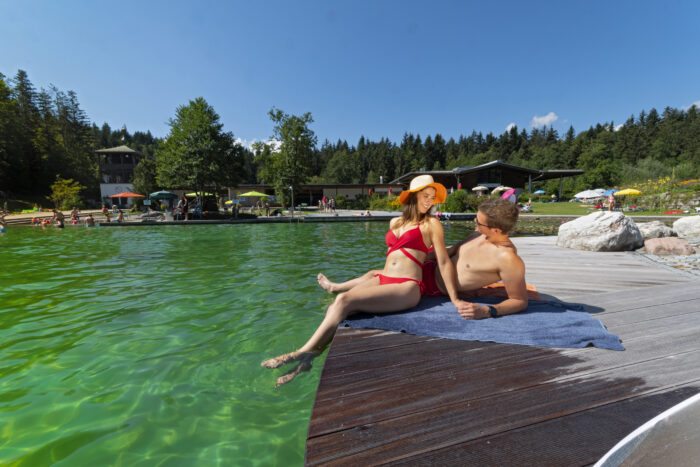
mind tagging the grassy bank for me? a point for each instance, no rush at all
(579, 209)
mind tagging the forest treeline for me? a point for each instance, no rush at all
(44, 134)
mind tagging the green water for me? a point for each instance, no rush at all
(142, 345)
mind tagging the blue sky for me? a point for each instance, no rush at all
(373, 68)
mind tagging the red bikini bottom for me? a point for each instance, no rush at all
(384, 280)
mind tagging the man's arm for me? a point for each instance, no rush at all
(512, 272)
(447, 269)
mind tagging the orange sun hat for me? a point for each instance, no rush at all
(421, 182)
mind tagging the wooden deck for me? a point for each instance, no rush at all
(394, 398)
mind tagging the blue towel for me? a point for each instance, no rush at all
(543, 323)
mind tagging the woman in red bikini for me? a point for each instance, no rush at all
(398, 286)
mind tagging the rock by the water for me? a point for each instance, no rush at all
(668, 246)
(654, 229)
(687, 227)
(601, 231)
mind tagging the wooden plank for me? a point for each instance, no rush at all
(578, 439)
(342, 370)
(364, 340)
(477, 416)
(430, 376)
(391, 397)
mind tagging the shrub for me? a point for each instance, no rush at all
(66, 193)
(461, 201)
(340, 202)
(361, 202)
(383, 203)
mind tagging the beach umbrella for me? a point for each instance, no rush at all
(508, 193)
(162, 195)
(195, 194)
(252, 193)
(628, 191)
(587, 194)
(127, 194)
(500, 189)
(539, 192)
(480, 188)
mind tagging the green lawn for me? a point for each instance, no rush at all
(578, 209)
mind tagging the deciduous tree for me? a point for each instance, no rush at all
(197, 154)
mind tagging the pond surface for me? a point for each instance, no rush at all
(142, 345)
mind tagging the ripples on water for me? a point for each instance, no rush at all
(142, 345)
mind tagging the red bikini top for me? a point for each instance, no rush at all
(412, 239)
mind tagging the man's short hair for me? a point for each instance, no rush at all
(502, 214)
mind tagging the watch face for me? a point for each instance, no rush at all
(493, 311)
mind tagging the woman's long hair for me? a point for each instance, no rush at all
(411, 213)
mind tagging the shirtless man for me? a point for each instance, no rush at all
(484, 257)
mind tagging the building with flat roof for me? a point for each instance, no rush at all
(492, 174)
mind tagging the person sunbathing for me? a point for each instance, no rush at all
(483, 258)
(398, 286)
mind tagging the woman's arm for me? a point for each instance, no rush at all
(452, 250)
(447, 269)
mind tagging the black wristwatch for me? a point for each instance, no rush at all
(493, 311)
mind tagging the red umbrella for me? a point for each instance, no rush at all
(127, 194)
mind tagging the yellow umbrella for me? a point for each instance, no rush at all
(628, 191)
(252, 193)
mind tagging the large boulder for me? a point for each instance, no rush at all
(654, 229)
(668, 246)
(600, 231)
(687, 227)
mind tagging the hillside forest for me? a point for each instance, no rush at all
(44, 134)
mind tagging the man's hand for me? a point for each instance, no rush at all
(468, 310)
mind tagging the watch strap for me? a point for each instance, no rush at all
(493, 311)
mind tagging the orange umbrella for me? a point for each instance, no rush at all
(127, 194)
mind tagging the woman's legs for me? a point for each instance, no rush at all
(370, 297)
(333, 287)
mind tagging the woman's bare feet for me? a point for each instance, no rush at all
(325, 284)
(304, 359)
(304, 365)
(281, 360)
(289, 358)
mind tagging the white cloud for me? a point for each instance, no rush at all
(696, 104)
(617, 127)
(546, 120)
(510, 126)
(249, 144)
